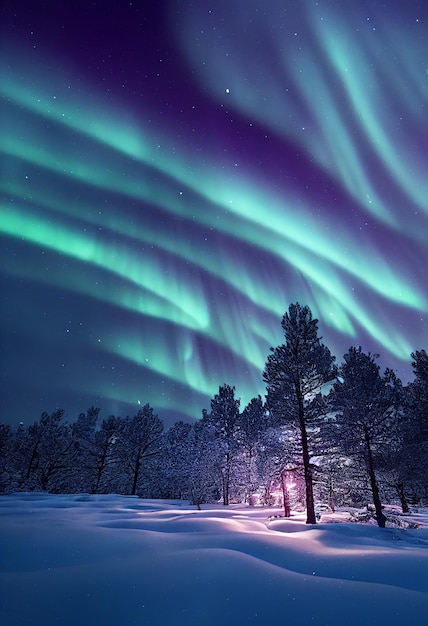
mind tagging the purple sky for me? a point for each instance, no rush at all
(175, 174)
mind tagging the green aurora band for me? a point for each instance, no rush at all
(345, 50)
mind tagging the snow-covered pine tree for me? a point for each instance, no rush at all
(203, 474)
(174, 461)
(105, 458)
(8, 463)
(365, 407)
(252, 423)
(416, 426)
(224, 419)
(81, 471)
(46, 448)
(295, 373)
(139, 440)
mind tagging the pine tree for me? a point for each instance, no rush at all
(224, 419)
(415, 432)
(140, 439)
(104, 457)
(251, 424)
(203, 478)
(7, 458)
(365, 406)
(295, 373)
(83, 433)
(175, 457)
(46, 448)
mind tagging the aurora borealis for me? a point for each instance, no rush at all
(173, 175)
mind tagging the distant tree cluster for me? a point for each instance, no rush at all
(325, 434)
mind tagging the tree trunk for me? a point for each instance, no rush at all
(331, 495)
(403, 500)
(249, 477)
(226, 480)
(310, 507)
(285, 495)
(225, 492)
(32, 461)
(100, 471)
(380, 517)
(136, 472)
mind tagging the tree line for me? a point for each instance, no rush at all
(326, 433)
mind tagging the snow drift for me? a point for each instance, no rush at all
(122, 561)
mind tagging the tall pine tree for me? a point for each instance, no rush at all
(416, 430)
(295, 373)
(365, 405)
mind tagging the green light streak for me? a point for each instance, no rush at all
(271, 231)
(188, 368)
(183, 306)
(332, 142)
(87, 280)
(309, 108)
(21, 223)
(257, 289)
(226, 267)
(366, 94)
(154, 355)
(240, 198)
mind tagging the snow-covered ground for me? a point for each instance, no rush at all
(120, 561)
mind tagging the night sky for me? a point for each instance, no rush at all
(175, 173)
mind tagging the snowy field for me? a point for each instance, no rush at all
(120, 561)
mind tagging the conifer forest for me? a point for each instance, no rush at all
(326, 434)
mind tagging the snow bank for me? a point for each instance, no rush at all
(121, 561)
